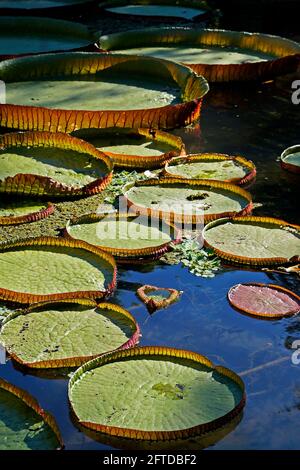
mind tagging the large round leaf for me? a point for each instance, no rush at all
(43, 163)
(20, 212)
(30, 35)
(124, 235)
(184, 9)
(187, 200)
(135, 148)
(290, 159)
(154, 393)
(254, 240)
(66, 92)
(68, 333)
(265, 301)
(38, 4)
(213, 166)
(48, 268)
(218, 55)
(24, 425)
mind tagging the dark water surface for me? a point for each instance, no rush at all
(258, 122)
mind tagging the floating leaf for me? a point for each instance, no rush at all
(254, 240)
(24, 425)
(264, 300)
(290, 159)
(154, 393)
(71, 91)
(124, 235)
(212, 166)
(49, 268)
(67, 333)
(218, 55)
(30, 35)
(156, 298)
(43, 163)
(21, 212)
(185, 9)
(187, 200)
(39, 4)
(135, 148)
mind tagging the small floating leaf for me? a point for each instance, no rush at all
(156, 298)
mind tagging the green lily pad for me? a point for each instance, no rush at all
(37, 35)
(290, 159)
(212, 166)
(134, 148)
(50, 163)
(67, 334)
(70, 91)
(124, 235)
(154, 393)
(37, 4)
(219, 55)
(13, 212)
(24, 425)
(254, 240)
(158, 10)
(41, 269)
(187, 198)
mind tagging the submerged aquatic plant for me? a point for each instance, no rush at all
(200, 261)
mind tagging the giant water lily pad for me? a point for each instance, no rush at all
(135, 148)
(48, 268)
(290, 159)
(39, 4)
(14, 212)
(218, 55)
(254, 240)
(264, 300)
(187, 200)
(66, 92)
(184, 9)
(24, 425)
(68, 333)
(30, 35)
(213, 166)
(154, 393)
(124, 235)
(43, 163)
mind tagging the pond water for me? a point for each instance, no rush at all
(258, 122)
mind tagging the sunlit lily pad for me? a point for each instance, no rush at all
(212, 166)
(187, 200)
(124, 235)
(24, 425)
(156, 298)
(67, 333)
(71, 91)
(154, 393)
(30, 35)
(218, 55)
(13, 212)
(48, 268)
(254, 240)
(135, 148)
(290, 159)
(264, 300)
(43, 163)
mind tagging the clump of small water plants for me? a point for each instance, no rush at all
(200, 261)
(120, 179)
